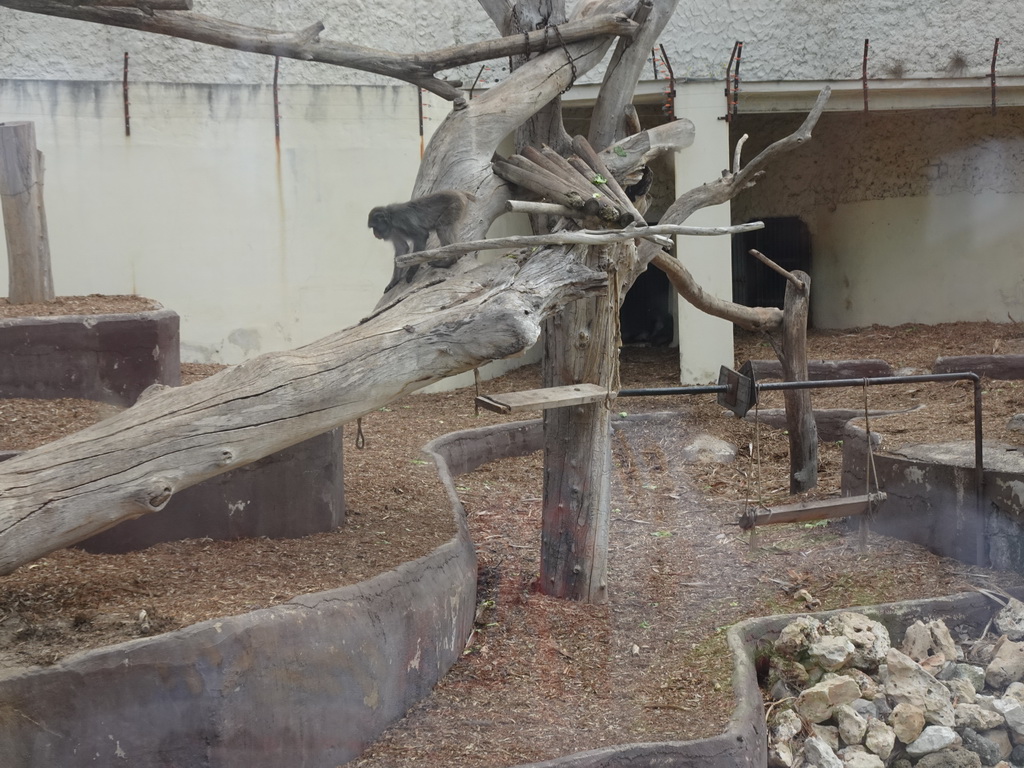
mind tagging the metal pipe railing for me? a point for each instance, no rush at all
(979, 464)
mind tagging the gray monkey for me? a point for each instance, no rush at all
(408, 225)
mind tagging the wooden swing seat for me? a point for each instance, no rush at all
(803, 511)
(542, 399)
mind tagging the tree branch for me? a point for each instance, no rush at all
(750, 318)
(608, 121)
(719, 191)
(578, 237)
(305, 45)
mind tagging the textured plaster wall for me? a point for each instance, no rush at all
(784, 39)
(914, 216)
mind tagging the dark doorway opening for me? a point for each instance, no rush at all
(787, 242)
(646, 314)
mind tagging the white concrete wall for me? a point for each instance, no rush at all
(914, 216)
(257, 249)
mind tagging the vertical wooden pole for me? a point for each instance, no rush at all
(21, 200)
(580, 347)
(803, 432)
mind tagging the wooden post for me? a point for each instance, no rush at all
(21, 200)
(803, 432)
(580, 345)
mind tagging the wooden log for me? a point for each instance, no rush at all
(803, 432)
(591, 158)
(543, 399)
(992, 366)
(806, 511)
(30, 278)
(539, 183)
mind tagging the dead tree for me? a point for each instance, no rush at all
(435, 326)
(24, 217)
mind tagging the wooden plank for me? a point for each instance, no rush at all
(542, 399)
(827, 509)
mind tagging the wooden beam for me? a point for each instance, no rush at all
(542, 399)
(804, 511)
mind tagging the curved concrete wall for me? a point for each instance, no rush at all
(109, 358)
(311, 682)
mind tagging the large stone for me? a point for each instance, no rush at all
(954, 757)
(907, 721)
(796, 637)
(1015, 691)
(1007, 665)
(976, 717)
(827, 733)
(820, 755)
(869, 687)
(865, 708)
(880, 738)
(923, 640)
(962, 690)
(831, 653)
(858, 757)
(869, 637)
(934, 738)
(1010, 620)
(852, 727)
(1001, 738)
(974, 674)
(1012, 712)
(781, 755)
(985, 748)
(817, 703)
(908, 682)
(706, 449)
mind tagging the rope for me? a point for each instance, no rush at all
(360, 438)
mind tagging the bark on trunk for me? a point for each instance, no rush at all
(30, 278)
(581, 346)
(803, 432)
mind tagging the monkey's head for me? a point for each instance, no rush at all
(380, 223)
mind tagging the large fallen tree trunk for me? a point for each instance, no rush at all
(132, 463)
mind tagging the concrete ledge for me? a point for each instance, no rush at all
(311, 682)
(109, 358)
(931, 498)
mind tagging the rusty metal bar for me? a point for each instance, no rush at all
(670, 93)
(730, 96)
(864, 73)
(277, 104)
(979, 459)
(992, 74)
(127, 108)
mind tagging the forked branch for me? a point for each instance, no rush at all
(173, 19)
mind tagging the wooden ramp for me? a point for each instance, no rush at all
(827, 509)
(542, 399)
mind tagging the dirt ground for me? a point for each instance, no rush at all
(542, 677)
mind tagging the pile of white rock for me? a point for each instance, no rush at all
(842, 696)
